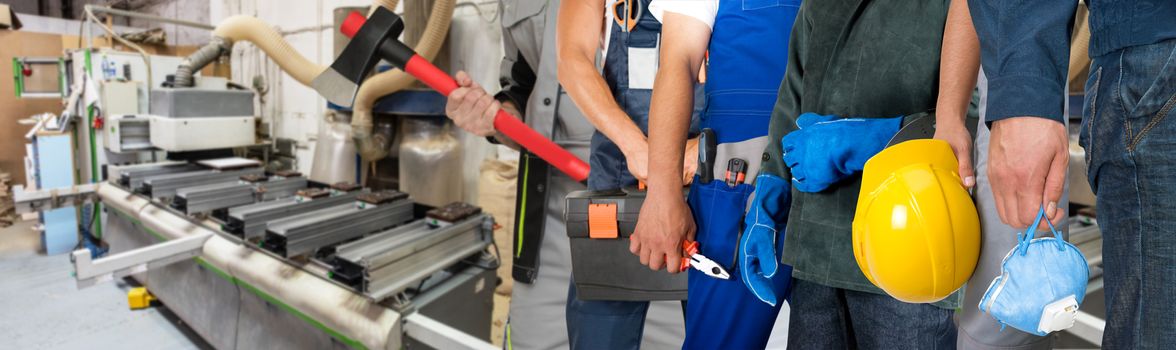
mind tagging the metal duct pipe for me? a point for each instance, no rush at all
(430, 143)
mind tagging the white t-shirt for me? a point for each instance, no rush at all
(703, 10)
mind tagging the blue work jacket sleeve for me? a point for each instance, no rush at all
(1025, 47)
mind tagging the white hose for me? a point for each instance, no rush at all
(388, 4)
(268, 39)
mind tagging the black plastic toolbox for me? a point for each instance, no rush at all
(602, 267)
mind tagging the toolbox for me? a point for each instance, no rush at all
(599, 224)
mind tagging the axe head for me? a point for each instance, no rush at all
(340, 82)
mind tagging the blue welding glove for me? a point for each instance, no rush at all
(757, 246)
(1041, 284)
(826, 149)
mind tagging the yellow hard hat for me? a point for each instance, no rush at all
(916, 233)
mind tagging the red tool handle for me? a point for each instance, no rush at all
(505, 123)
(689, 248)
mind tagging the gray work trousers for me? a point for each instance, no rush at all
(978, 330)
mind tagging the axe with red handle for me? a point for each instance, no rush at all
(375, 38)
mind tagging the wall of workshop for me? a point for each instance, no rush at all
(72, 11)
(68, 9)
(295, 111)
(196, 11)
(71, 27)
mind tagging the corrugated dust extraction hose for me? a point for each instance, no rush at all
(256, 31)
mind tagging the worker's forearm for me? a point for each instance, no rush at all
(578, 38)
(959, 63)
(672, 104)
(592, 96)
(684, 44)
(669, 121)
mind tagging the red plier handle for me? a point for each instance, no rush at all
(692, 258)
(689, 248)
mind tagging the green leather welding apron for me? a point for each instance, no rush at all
(862, 58)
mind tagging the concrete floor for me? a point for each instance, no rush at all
(43, 309)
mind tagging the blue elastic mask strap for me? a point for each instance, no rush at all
(1023, 245)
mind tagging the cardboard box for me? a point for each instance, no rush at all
(8, 18)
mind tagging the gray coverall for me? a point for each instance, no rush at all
(537, 309)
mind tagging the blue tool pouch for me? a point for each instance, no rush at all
(718, 211)
(1041, 285)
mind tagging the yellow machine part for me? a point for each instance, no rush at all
(916, 232)
(139, 298)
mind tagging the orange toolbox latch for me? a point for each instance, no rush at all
(602, 221)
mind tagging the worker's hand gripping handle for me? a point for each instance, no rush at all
(403, 57)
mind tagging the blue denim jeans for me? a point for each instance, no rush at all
(604, 324)
(824, 317)
(1130, 143)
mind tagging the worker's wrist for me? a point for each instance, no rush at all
(631, 146)
(664, 186)
(950, 119)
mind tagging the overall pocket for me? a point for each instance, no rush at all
(718, 212)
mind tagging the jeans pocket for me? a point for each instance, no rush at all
(718, 212)
(1090, 111)
(1147, 87)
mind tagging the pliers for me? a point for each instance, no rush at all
(701, 262)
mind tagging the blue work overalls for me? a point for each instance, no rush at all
(748, 55)
(629, 68)
(630, 65)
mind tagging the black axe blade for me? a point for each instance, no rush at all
(340, 82)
